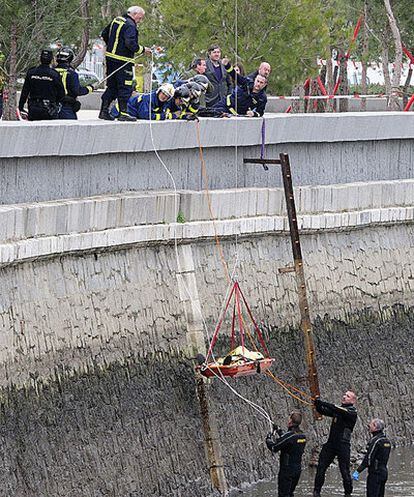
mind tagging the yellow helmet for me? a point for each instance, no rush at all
(168, 89)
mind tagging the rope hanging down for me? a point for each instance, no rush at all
(290, 389)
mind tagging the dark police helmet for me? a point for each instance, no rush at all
(65, 54)
(182, 92)
(46, 56)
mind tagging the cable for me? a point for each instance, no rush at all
(256, 407)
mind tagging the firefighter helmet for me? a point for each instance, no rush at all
(167, 89)
(182, 92)
(65, 55)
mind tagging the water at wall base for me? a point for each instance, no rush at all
(400, 480)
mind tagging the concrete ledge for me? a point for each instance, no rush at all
(80, 138)
(30, 231)
(100, 213)
(35, 248)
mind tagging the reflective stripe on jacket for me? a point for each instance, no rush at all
(121, 38)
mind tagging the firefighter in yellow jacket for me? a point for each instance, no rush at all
(121, 38)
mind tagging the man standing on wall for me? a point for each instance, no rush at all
(376, 459)
(291, 446)
(339, 440)
(121, 38)
(221, 84)
(71, 84)
(43, 89)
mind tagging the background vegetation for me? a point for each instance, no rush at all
(290, 34)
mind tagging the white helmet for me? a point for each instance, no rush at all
(168, 90)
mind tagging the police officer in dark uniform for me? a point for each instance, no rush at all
(44, 89)
(339, 440)
(121, 38)
(376, 459)
(71, 84)
(291, 446)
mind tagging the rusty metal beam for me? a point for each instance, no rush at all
(305, 323)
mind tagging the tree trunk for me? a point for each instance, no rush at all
(106, 10)
(396, 78)
(10, 93)
(343, 85)
(406, 85)
(365, 55)
(298, 106)
(84, 8)
(386, 69)
(313, 92)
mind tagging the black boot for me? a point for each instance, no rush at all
(104, 112)
(123, 114)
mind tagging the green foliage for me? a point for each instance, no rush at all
(289, 34)
(180, 218)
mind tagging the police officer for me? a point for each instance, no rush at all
(248, 98)
(339, 440)
(121, 38)
(71, 84)
(376, 459)
(291, 446)
(44, 89)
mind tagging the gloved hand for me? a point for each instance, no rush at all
(24, 114)
(191, 117)
(355, 475)
(93, 87)
(275, 427)
(269, 436)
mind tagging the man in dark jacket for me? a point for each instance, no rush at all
(264, 70)
(376, 459)
(71, 84)
(248, 97)
(221, 84)
(291, 446)
(339, 440)
(44, 89)
(121, 38)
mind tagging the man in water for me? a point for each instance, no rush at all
(339, 440)
(376, 459)
(291, 445)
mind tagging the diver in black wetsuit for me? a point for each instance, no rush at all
(339, 440)
(376, 459)
(291, 445)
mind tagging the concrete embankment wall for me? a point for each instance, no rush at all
(98, 395)
(43, 161)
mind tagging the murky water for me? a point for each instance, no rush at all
(400, 480)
